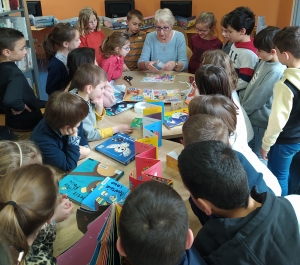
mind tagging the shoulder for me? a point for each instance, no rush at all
(151, 35)
(295, 202)
(9, 68)
(57, 63)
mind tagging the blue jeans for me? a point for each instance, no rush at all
(256, 142)
(280, 158)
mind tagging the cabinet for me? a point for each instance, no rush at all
(32, 71)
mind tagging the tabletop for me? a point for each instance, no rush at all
(67, 231)
(127, 116)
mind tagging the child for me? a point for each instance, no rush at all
(90, 32)
(204, 40)
(88, 83)
(60, 135)
(114, 48)
(240, 23)
(57, 45)
(154, 227)
(28, 197)
(250, 229)
(18, 102)
(283, 131)
(136, 37)
(227, 45)
(79, 56)
(258, 96)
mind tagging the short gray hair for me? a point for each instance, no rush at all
(164, 15)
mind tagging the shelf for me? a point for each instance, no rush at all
(11, 12)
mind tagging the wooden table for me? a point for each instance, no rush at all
(127, 117)
(67, 232)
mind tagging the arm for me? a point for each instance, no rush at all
(83, 42)
(111, 68)
(56, 76)
(144, 62)
(181, 54)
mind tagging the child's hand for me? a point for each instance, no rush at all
(19, 112)
(67, 130)
(264, 154)
(108, 96)
(123, 128)
(125, 68)
(63, 209)
(98, 101)
(84, 151)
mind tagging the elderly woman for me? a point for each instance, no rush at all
(165, 48)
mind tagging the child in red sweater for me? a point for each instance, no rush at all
(114, 48)
(89, 29)
(205, 39)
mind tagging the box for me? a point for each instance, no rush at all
(172, 160)
(42, 22)
(72, 21)
(186, 23)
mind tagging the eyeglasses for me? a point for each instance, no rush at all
(127, 48)
(161, 28)
(201, 30)
(93, 21)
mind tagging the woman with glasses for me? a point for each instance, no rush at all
(165, 48)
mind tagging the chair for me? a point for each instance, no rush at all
(189, 53)
(107, 31)
(183, 32)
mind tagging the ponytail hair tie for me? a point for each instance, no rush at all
(11, 203)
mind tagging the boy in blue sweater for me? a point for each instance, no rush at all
(154, 227)
(59, 135)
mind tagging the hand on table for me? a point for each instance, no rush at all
(150, 66)
(19, 112)
(123, 128)
(169, 66)
(63, 209)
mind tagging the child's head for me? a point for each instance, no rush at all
(215, 105)
(287, 43)
(12, 45)
(16, 154)
(218, 57)
(154, 226)
(90, 79)
(225, 34)
(263, 42)
(63, 36)
(239, 22)
(116, 44)
(206, 24)
(213, 174)
(204, 127)
(88, 21)
(211, 80)
(65, 109)
(134, 20)
(28, 197)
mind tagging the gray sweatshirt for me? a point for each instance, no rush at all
(258, 96)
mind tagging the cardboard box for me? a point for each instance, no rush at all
(186, 23)
(42, 22)
(172, 160)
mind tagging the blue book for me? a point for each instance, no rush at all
(120, 148)
(79, 183)
(108, 192)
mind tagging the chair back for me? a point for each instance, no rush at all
(183, 32)
(107, 31)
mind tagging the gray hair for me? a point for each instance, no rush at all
(164, 15)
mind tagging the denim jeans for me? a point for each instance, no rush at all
(256, 142)
(280, 158)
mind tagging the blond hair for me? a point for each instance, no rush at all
(164, 15)
(16, 154)
(207, 18)
(83, 20)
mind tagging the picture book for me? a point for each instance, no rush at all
(79, 183)
(137, 123)
(193, 91)
(158, 78)
(119, 147)
(145, 94)
(175, 117)
(107, 192)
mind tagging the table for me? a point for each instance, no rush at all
(127, 117)
(67, 232)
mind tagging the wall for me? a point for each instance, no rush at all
(276, 12)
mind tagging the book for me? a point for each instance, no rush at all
(14, 4)
(145, 94)
(106, 193)
(79, 183)
(137, 123)
(158, 78)
(186, 23)
(119, 147)
(175, 117)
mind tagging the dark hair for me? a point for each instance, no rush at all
(239, 18)
(88, 74)
(62, 32)
(8, 38)
(222, 22)
(218, 106)
(64, 108)
(154, 225)
(203, 127)
(135, 13)
(288, 40)
(76, 58)
(213, 79)
(109, 44)
(263, 40)
(211, 170)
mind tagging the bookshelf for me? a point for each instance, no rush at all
(30, 71)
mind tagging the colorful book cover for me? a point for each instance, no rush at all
(137, 123)
(158, 78)
(145, 94)
(108, 192)
(176, 117)
(119, 147)
(79, 183)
